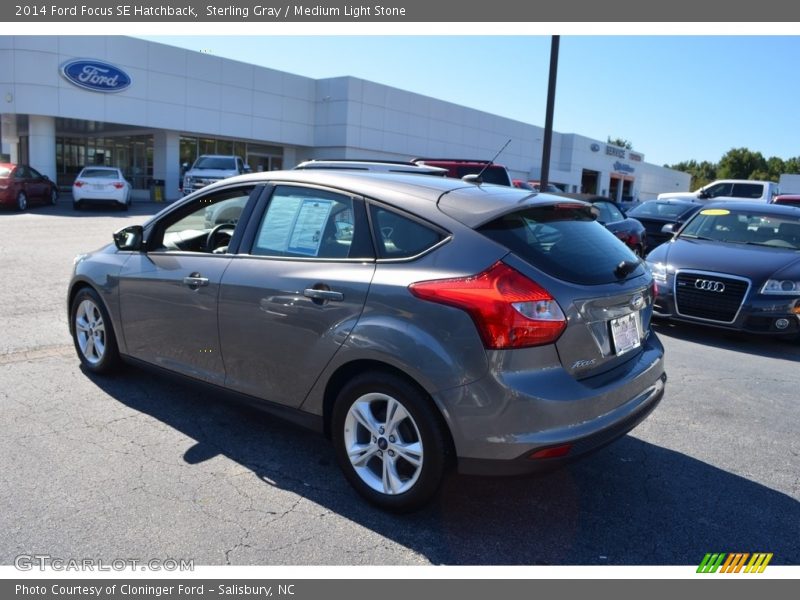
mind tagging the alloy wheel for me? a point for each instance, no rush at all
(383, 443)
(90, 331)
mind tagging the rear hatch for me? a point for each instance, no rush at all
(603, 289)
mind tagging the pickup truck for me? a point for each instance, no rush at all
(729, 189)
(210, 168)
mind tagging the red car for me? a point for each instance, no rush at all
(789, 199)
(21, 185)
(458, 168)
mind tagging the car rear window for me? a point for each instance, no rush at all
(662, 210)
(100, 173)
(564, 241)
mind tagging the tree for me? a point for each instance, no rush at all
(622, 143)
(702, 173)
(741, 163)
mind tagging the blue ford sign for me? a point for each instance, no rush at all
(95, 75)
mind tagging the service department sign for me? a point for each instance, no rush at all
(95, 75)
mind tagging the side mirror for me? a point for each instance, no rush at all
(247, 169)
(129, 238)
(668, 228)
(704, 194)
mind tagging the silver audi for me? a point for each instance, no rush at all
(422, 323)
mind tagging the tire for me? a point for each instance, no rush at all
(93, 333)
(54, 196)
(124, 206)
(398, 466)
(76, 205)
(22, 201)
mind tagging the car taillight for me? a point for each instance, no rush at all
(78, 183)
(118, 184)
(509, 310)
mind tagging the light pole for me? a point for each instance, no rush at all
(544, 179)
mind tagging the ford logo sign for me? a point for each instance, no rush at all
(595, 147)
(95, 75)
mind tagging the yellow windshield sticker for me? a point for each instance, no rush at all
(715, 212)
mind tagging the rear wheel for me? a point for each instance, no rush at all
(22, 201)
(93, 333)
(54, 196)
(389, 441)
(76, 205)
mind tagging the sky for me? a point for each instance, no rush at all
(675, 98)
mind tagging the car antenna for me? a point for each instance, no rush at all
(476, 177)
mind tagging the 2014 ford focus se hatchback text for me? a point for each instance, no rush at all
(422, 323)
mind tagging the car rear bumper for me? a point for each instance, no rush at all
(501, 420)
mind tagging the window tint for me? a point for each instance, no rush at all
(748, 190)
(720, 189)
(34, 173)
(400, 237)
(308, 223)
(101, 173)
(564, 242)
(659, 209)
(21, 172)
(608, 212)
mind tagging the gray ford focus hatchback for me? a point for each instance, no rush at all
(422, 323)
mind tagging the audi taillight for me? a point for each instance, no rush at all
(78, 183)
(509, 310)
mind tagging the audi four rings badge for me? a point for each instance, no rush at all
(709, 285)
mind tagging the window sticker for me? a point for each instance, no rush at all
(309, 226)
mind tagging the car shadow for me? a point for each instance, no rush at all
(766, 346)
(633, 503)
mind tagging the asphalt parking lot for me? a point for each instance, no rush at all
(139, 466)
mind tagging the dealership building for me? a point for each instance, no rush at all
(149, 108)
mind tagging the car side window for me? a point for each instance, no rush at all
(308, 223)
(205, 225)
(721, 189)
(21, 172)
(748, 190)
(398, 236)
(33, 173)
(604, 215)
(614, 213)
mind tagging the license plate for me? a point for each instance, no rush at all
(626, 332)
(98, 186)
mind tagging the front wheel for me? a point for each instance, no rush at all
(389, 441)
(54, 196)
(93, 333)
(22, 201)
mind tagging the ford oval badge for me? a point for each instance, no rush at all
(595, 147)
(95, 75)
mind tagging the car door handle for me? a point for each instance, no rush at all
(316, 294)
(195, 281)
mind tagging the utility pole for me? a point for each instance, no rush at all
(544, 179)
